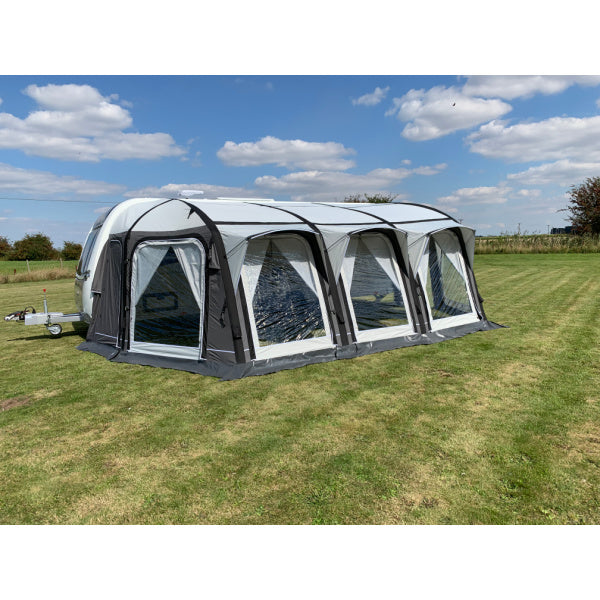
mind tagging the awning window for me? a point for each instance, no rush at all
(284, 296)
(443, 274)
(372, 280)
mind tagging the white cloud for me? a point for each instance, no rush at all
(523, 86)
(373, 98)
(439, 111)
(505, 208)
(529, 193)
(23, 181)
(429, 170)
(303, 185)
(149, 146)
(322, 185)
(78, 123)
(287, 153)
(87, 121)
(65, 97)
(562, 172)
(477, 195)
(553, 139)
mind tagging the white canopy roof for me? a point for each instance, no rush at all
(410, 217)
(240, 220)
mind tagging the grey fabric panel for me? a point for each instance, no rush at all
(336, 242)
(431, 337)
(104, 326)
(203, 367)
(228, 372)
(201, 233)
(218, 342)
(282, 363)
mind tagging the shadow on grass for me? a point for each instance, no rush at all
(46, 336)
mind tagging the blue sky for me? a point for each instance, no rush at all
(498, 152)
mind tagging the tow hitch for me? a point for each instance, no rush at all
(52, 320)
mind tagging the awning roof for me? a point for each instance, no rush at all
(408, 217)
(239, 220)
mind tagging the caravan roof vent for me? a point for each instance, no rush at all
(247, 199)
(189, 194)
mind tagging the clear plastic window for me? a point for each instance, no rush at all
(88, 246)
(446, 288)
(282, 290)
(373, 279)
(87, 251)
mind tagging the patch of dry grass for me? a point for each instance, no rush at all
(38, 275)
(537, 244)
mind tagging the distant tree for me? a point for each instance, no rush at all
(584, 206)
(371, 198)
(33, 247)
(71, 251)
(5, 247)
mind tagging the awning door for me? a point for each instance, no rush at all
(167, 298)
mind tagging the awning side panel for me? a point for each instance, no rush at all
(107, 289)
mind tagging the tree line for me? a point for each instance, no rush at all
(37, 247)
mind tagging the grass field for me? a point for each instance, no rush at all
(496, 427)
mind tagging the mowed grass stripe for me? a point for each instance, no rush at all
(565, 406)
(549, 405)
(496, 427)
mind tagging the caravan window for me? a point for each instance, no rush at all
(86, 253)
(88, 246)
(443, 274)
(284, 297)
(167, 298)
(374, 287)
